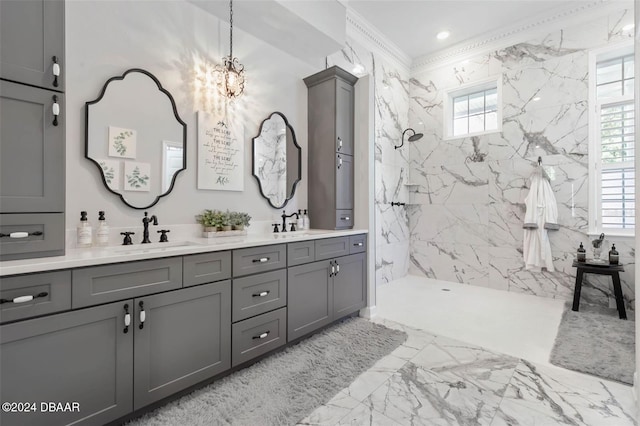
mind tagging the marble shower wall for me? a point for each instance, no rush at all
(468, 205)
(391, 93)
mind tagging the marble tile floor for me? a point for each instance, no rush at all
(436, 380)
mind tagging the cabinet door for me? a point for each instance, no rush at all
(349, 285)
(344, 117)
(31, 150)
(309, 298)
(344, 182)
(32, 33)
(82, 356)
(185, 338)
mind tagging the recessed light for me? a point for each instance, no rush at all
(358, 69)
(628, 27)
(536, 99)
(442, 35)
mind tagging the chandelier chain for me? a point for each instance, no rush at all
(231, 30)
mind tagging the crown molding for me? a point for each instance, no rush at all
(358, 27)
(515, 34)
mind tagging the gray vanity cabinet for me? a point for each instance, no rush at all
(349, 285)
(82, 356)
(309, 298)
(184, 339)
(31, 150)
(32, 34)
(331, 145)
(32, 145)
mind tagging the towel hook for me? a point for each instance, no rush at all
(539, 161)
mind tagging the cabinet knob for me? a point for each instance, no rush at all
(55, 70)
(24, 299)
(143, 315)
(262, 336)
(55, 109)
(127, 318)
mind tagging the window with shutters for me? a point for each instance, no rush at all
(613, 143)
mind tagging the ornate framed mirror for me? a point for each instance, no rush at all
(277, 160)
(136, 138)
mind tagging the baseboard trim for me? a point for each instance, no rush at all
(369, 312)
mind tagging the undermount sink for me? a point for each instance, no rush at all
(152, 247)
(294, 234)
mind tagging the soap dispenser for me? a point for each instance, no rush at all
(582, 254)
(84, 231)
(301, 222)
(102, 233)
(305, 218)
(614, 257)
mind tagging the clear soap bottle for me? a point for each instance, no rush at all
(300, 224)
(102, 233)
(84, 231)
(305, 218)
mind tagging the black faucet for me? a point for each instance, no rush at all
(145, 222)
(284, 220)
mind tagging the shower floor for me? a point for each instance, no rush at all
(515, 324)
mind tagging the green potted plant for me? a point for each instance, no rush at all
(208, 220)
(236, 221)
(225, 220)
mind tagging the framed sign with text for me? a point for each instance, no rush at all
(220, 153)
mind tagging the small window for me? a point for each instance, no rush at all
(473, 110)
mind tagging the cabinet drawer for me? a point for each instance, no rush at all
(302, 252)
(108, 283)
(258, 294)
(258, 335)
(51, 292)
(332, 247)
(357, 244)
(206, 268)
(259, 259)
(49, 240)
(344, 219)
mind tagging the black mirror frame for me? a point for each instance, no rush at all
(253, 160)
(175, 113)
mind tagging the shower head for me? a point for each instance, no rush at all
(414, 137)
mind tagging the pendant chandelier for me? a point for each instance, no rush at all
(231, 72)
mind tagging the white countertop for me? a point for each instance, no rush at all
(78, 257)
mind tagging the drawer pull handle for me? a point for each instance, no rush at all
(337, 268)
(262, 336)
(261, 294)
(358, 245)
(21, 234)
(261, 260)
(339, 143)
(345, 218)
(127, 318)
(333, 269)
(143, 315)
(55, 71)
(23, 299)
(339, 162)
(55, 109)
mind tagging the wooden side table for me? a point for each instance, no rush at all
(605, 269)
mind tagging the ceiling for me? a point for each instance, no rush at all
(412, 25)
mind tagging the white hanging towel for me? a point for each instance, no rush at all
(541, 215)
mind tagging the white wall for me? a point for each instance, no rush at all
(176, 41)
